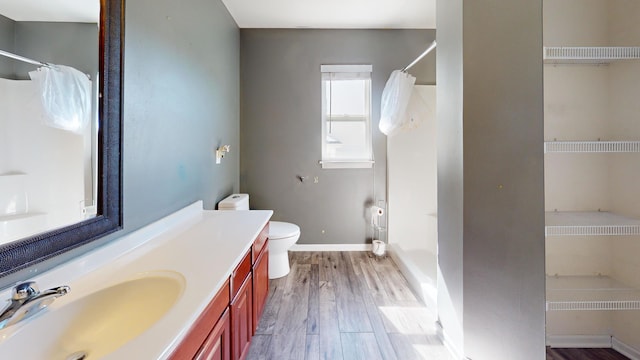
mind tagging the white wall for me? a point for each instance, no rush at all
(51, 158)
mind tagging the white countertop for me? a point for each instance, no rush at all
(201, 246)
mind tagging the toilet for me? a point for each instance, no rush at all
(282, 235)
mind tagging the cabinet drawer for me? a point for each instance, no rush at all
(258, 244)
(202, 327)
(240, 273)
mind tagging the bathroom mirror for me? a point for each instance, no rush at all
(46, 190)
(98, 208)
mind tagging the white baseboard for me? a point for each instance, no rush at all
(626, 350)
(579, 341)
(331, 247)
(593, 341)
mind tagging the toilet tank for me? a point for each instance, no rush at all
(234, 202)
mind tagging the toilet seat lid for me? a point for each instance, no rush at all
(280, 230)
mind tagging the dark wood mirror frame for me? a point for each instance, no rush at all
(26, 252)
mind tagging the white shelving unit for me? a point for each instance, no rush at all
(591, 147)
(589, 223)
(589, 54)
(590, 293)
(573, 293)
(592, 167)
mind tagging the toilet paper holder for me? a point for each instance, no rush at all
(377, 213)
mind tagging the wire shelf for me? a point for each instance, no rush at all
(589, 223)
(592, 305)
(589, 55)
(591, 147)
(590, 293)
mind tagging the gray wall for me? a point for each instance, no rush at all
(6, 44)
(280, 125)
(71, 44)
(181, 100)
(449, 101)
(498, 69)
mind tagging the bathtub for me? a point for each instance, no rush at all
(419, 267)
(17, 226)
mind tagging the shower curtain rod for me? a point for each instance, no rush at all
(22, 58)
(431, 47)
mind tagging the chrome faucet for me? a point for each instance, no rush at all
(26, 300)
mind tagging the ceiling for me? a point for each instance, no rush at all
(327, 14)
(334, 14)
(86, 11)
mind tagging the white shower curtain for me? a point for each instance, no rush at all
(395, 98)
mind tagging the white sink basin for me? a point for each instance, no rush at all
(96, 324)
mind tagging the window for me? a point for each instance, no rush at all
(346, 116)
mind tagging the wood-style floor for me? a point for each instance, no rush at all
(584, 354)
(344, 305)
(351, 306)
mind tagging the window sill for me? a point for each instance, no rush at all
(346, 164)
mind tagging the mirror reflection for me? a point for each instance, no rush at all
(48, 115)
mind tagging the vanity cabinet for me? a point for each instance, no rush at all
(212, 326)
(225, 328)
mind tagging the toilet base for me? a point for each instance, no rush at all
(278, 264)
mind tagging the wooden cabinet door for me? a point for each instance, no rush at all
(198, 333)
(217, 346)
(242, 320)
(260, 285)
